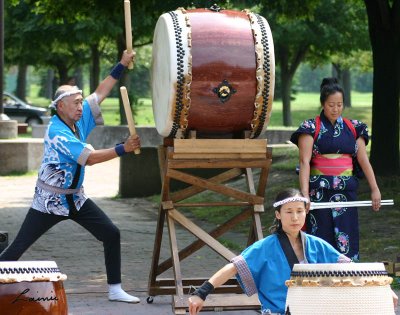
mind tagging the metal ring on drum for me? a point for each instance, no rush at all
(32, 287)
(213, 71)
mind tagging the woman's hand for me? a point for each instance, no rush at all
(195, 305)
(363, 160)
(395, 300)
(376, 199)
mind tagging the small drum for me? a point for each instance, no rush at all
(213, 71)
(32, 288)
(331, 289)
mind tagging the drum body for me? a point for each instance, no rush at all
(346, 288)
(32, 287)
(213, 72)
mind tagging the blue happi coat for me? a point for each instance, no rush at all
(263, 268)
(64, 150)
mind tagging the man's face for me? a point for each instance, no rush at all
(71, 107)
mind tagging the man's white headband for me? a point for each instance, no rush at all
(290, 199)
(62, 95)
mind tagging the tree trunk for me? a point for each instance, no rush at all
(49, 88)
(94, 68)
(21, 82)
(343, 76)
(384, 32)
(78, 75)
(286, 86)
(289, 63)
(346, 83)
(337, 71)
(62, 73)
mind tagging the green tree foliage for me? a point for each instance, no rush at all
(75, 32)
(311, 31)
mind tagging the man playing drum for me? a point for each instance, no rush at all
(59, 193)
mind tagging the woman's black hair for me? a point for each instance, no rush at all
(328, 87)
(284, 194)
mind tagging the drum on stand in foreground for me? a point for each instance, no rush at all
(331, 289)
(213, 71)
(32, 288)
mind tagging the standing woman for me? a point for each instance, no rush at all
(264, 266)
(328, 145)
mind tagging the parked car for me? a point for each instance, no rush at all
(23, 112)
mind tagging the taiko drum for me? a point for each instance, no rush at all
(213, 71)
(342, 288)
(32, 288)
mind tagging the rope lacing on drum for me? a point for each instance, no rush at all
(181, 108)
(263, 73)
(267, 76)
(339, 273)
(28, 270)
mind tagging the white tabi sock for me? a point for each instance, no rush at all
(116, 293)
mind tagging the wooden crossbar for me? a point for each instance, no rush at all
(198, 244)
(225, 190)
(220, 146)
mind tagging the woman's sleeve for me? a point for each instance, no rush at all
(307, 127)
(249, 265)
(244, 275)
(361, 130)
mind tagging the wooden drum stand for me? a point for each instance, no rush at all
(238, 157)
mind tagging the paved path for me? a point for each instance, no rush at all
(80, 256)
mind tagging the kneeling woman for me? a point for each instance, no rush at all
(264, 267)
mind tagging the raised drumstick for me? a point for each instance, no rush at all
(128, 29)
(128, 113)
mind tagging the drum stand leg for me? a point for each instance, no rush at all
(252, 203)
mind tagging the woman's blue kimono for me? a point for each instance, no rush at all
(263, 268)
(337, 226)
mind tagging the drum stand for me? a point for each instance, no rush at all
(238, 157)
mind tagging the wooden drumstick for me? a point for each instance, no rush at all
(128, 113)
(128, 29)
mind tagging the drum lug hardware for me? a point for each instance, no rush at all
(215, 8)
(224, 91)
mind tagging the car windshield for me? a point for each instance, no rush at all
(8, 101)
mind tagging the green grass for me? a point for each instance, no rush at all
(305, 105)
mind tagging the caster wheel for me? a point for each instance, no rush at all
(149, 299)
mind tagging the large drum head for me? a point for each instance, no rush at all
(213, 72)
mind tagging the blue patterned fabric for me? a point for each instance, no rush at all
(337, 226)
(263, 268)
(63, 151)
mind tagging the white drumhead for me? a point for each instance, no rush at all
(345, 288)
(17, 271)
(164, 67)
